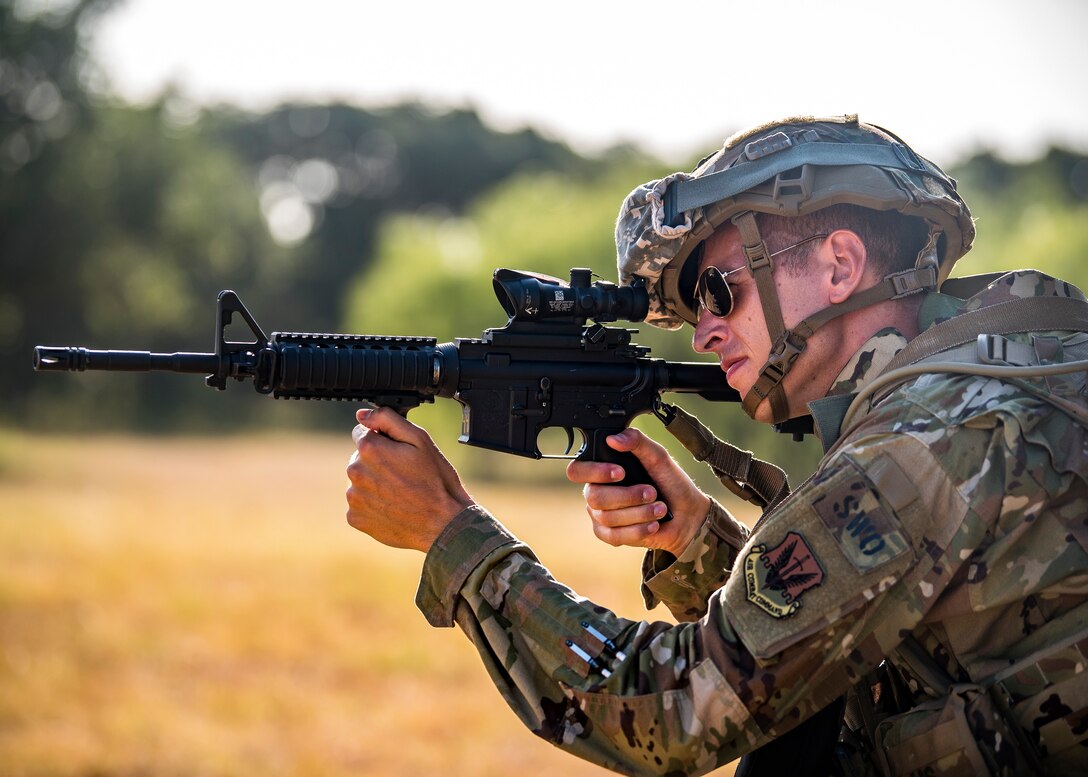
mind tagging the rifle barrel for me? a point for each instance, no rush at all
(75, 359)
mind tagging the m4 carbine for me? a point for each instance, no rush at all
(547, 368)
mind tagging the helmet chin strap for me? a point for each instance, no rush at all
(787, 344)
(769, 383)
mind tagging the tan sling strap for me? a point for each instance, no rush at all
(752, 479)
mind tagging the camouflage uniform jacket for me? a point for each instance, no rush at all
(947, 532)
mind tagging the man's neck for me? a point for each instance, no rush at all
(844, 350)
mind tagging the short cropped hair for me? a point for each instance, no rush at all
(892, 240)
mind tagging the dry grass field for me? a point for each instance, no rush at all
(200, 607)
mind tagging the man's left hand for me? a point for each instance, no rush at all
(403, 491)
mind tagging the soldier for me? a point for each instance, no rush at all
(925, 588)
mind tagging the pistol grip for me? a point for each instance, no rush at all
(633, 471)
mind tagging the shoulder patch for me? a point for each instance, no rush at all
(775, 578)
(864, 531)
(806, 567)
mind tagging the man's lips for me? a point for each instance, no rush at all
(731, 366)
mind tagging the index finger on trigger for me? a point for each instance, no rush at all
(593, 472)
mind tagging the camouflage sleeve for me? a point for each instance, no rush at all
(470, 538)
(685, 583)
(831, 582)
(630, 696)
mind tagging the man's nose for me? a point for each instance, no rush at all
(709, 329)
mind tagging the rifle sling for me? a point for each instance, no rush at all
(752, 479)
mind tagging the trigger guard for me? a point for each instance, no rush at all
(572, 448)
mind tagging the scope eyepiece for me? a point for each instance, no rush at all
(529, 296)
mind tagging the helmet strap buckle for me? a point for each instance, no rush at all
(758, 257)
(909, 282)
(768, 385)
(785, 352)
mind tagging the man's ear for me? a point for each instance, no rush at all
(847, 261)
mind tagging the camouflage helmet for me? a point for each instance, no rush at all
(787, 168)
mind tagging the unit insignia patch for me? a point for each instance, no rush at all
(776, 578)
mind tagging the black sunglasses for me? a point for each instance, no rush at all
(713, 292)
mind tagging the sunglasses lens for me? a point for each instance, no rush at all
(713, 292)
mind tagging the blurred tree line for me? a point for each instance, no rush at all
(120, 223)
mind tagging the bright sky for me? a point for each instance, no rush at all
(677, 77)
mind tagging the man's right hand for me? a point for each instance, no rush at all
(628, 515)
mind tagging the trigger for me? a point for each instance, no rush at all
(570, 441)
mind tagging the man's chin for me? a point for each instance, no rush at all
(763, 413)
(743, 384)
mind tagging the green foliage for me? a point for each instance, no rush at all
(345, 168)
(1031, 214)
(432, 269)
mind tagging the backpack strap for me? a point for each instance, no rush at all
(1030, 314)
(932, 351)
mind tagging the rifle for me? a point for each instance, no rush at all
(547, 368)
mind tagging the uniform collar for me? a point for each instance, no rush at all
(866, 363)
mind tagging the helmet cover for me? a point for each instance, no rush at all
(786, 168)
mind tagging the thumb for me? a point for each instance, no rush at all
(671, 481)
(649, 452)
(388, 422)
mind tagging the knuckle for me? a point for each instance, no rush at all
(599, 497)
(593, 498)
(375, 418)
(606, 535)
(351, 497)
(608, 519)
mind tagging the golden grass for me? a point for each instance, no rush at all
(200, 607)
